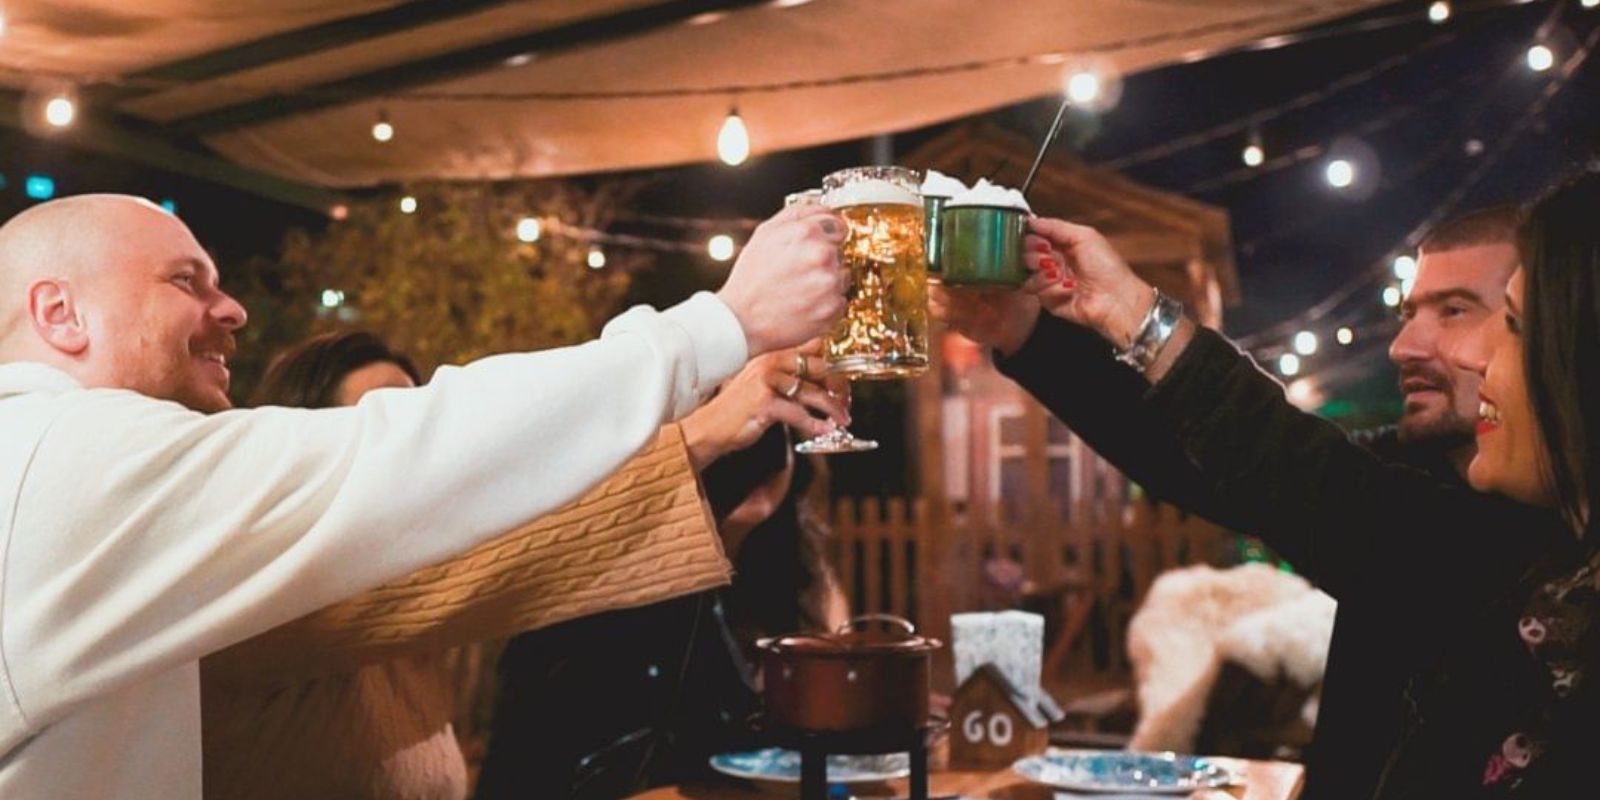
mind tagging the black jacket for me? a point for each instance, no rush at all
(1401, 544)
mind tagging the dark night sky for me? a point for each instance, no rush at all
(1297, 241)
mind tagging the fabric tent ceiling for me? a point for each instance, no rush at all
(447, 75)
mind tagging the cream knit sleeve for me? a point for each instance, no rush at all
(642, 536)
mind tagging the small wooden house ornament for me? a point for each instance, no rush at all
(994, 723)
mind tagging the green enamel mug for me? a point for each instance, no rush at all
(982, 246)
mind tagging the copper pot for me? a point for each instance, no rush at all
(861, 677)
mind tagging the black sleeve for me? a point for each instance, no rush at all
(1069, 369)
(1355, 524)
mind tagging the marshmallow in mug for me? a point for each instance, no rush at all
(873, 192)
(990, 195)
(938, 184)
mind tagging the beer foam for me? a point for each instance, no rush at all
(877, 192)
(938, 184)
(990, 195)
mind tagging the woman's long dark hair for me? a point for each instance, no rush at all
(1560, 248)
(308, 374)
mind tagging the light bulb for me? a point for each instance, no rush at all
(733, 141)
(1439, 12)
(1540, 58)
(382, 130)
(1305, 343)
(1083, 87)
(1345, 336)
(1391, 296)
(332, 298)
(1405, 268)
(597, 258)
(1288, 364)
(1589, 3)
(1340, 173)
(1253, 155)
(60, 111)
(408, 205)
(529, 229)
(720, 247)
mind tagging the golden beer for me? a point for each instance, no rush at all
(884, 332)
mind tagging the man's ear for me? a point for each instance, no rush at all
(53, 311)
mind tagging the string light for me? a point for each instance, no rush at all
(1344, 336)
(1254, 154)
(60, 108)
(382, 130)
(1439, 12)
(408, 205)
(332, 298)
(720, 247)
(1304, 395)
(1590, 3)
(1288, 365)
(597, 257)
(1305, 343)
(529, 229)
(339, 213)
(1340, 173)
(733, 141)
(1405, 268)
(1083, 87)
(1391, 296)
(1540, 58)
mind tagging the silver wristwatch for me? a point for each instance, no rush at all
(1159, 324)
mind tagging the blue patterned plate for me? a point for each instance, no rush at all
(1116, 771)
(775, 764)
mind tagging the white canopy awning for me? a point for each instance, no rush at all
(485, 88)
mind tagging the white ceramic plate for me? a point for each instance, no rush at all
(776, 764)
(1119, 771)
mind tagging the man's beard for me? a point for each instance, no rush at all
(1446, 431)
(1448, 428)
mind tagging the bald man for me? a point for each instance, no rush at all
(138, 534)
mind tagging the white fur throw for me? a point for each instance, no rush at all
(1269, 622)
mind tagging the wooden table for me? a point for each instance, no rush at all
(1264, 780)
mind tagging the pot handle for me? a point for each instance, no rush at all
(887, 619)
(774, 644)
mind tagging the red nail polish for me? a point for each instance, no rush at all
(1068, 282)
(1048, 264)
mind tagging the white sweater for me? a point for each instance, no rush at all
(139, 536)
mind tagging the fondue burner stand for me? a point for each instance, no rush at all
(816, 746)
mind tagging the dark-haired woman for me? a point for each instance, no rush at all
(1499, 615)
(356, 701)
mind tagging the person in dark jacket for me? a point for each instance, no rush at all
(610, 705)
(1500, 643)
(1461, 275)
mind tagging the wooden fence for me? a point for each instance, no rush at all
(924, 563)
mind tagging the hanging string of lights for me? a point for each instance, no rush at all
(1398, 274)
(1251, 123)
